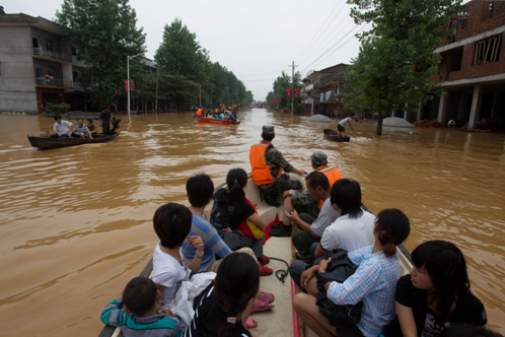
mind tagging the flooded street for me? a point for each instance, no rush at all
(75, 223)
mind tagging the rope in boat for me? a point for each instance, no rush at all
(281, 274)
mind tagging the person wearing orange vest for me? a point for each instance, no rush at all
(269, 169)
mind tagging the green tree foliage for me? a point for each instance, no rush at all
(278, 98)
(396, 61)
(105, 32)
(181, 55)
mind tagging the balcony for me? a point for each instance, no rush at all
(49, 81)
(52, 54)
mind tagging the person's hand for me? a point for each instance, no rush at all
(293, 216)
(167, 312)
(307, 275)
(197, 243)
(226, 229)
(323, 265)
(301, 172)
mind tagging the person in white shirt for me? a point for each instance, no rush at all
(342, 125)
(353, 229)
(61, 127)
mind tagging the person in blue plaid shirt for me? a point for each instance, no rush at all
(373, 282)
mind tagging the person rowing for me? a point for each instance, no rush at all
(342, 125)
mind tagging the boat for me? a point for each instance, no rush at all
(332, 135)
(282, 320)
(48, 142)
(206, 120)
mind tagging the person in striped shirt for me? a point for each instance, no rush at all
(373, 282)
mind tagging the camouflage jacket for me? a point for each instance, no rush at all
(275, 160)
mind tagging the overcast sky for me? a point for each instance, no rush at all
(255, 39)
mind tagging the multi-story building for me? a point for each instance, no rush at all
(321, 91)
(38, 64)
(472, 72)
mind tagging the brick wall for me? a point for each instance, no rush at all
(480, 19)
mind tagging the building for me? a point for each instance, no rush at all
(321, 91)
(472, 70)
(38, 64)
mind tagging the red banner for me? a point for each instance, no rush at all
(297, 92)
(288, 92)
(132, 85)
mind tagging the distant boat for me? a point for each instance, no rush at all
(205, 120)
(48, 142)
(332, 135)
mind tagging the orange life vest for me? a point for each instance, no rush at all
(199, 112)
(333, 174)
(260, 170)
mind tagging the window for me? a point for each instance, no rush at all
(51, 70)
(75, 76)
(49, 45)
(35, 42)
(490, 8)
(487, 50)
(74, 51)
(39, 71)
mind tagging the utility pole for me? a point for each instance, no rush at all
(292, 66)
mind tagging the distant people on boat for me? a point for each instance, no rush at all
(106, 116)
(222, 309)
(236, 220)
(82, 131)
(436, 294)
(172, 224)
(343, 124)
(269, 169)
(307, 227)
(199, 112)
(61, 127)
(91, 125)
(377, 269)
(139, 313)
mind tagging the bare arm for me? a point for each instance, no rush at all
(257, 220)
(406, 319)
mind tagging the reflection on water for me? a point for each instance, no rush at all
(75, 223)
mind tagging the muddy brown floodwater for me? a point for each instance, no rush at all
(75, 223)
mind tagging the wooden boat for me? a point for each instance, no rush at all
(205, 120)
(48, 142)
(332, 135)
(282, 320)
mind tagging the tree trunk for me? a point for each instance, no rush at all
(379, 124)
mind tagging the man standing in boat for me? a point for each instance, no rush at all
(269, 170)
(106, 116)
(342, 125)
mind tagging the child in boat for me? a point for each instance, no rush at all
(236, 220)
(82, 131)
(172, 224)
(373, 282)
(222, 308)
(436, 294)
(139, 313)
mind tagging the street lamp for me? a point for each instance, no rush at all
(128, 58)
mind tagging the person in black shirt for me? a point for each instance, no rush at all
(436, 294)
(221, 309)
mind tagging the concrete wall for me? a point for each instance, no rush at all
(17, 79)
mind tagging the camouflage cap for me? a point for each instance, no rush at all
(319, 158)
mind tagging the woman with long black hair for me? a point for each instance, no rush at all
(436, 294)
(222, 308)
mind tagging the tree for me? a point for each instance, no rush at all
(105, 33)
(396, 61)
(278, 98)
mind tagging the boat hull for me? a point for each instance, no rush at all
(204, 120)
(47, 143)
(332, 135)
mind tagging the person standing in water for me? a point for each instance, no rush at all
(342, 125)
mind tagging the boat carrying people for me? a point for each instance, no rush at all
(357, 279)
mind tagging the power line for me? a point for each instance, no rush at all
(332, 47)
(321, 28)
